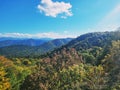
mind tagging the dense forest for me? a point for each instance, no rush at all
(88, 62)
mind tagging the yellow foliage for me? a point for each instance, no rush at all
(4, 81)
(5, 62)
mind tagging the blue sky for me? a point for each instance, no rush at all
(57, 18)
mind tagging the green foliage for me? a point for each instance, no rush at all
(88, 58)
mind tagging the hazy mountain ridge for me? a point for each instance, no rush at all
(19, 41)
(90, 40)
(31, 47)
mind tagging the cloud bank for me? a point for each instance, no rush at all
(53, 9)
(38, 35)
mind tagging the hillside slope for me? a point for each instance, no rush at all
(29, 51)
(92, 46)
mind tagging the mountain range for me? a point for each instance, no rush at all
(33, 47)
(7, 41)
(28, 47)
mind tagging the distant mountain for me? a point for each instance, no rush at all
(10, 38)
(29, 49)
(19, 41)
(14, 38)
(49, 46)
(90, 40)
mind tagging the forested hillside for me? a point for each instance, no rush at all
(30, 48)
(92, 46)
(89, 62)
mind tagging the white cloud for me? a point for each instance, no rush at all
(54, 9)
(38, 35)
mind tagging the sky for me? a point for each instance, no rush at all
(57, 18)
